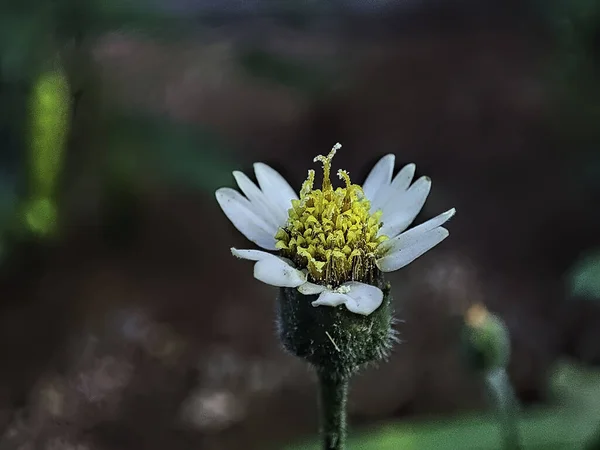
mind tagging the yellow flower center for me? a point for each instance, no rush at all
(331, 232)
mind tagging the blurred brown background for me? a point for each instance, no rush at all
(136, 328)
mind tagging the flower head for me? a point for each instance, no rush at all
(334, 242)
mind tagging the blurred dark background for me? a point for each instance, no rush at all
(125, 323)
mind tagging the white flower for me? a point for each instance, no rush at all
(333, 242)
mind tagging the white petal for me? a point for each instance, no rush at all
(398, 187)
(258, 199)
(240, 212)
(359, 298)
(331, 298)
(379, 177)
(364, 298)
(276, 189)
(408, 237)
(272, 269)
(252, 255)
(277, 272)
(403, 178)
(399, 213)
(257, 255)
(311, 288)
(415, 247)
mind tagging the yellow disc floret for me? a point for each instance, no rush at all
(331, 232)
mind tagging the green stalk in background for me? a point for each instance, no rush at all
(505, 403)
(49, 116)
(487, 344)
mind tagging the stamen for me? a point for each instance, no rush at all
(307, 186)
(332, 233)
(344, 175)
(326, 160)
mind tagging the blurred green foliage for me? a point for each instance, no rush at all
(569, 424)
(36, 113)
(575, 23)
(574, 68)
(584, 277)
(49, 123)
(190, 156)
(276, 69)
(49, 111)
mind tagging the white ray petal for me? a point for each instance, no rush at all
(278, 192)
(278, 272)
(272, 269)
(409, 236)
(416, 245)
(359, 298)
(311, 288)
(399, 213)
(331, 298)
(379, 178)
(240, 212)
(258, 199)
(251, 255)
(400, 184)
(364, 298)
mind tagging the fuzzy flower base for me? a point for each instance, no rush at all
(334, 339)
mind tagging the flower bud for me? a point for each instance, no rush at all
(333, 339)
(486, 340)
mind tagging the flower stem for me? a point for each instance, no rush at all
(333, 394)
(506, 405)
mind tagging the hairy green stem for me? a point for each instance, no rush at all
(333, 392)
(506, 405)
